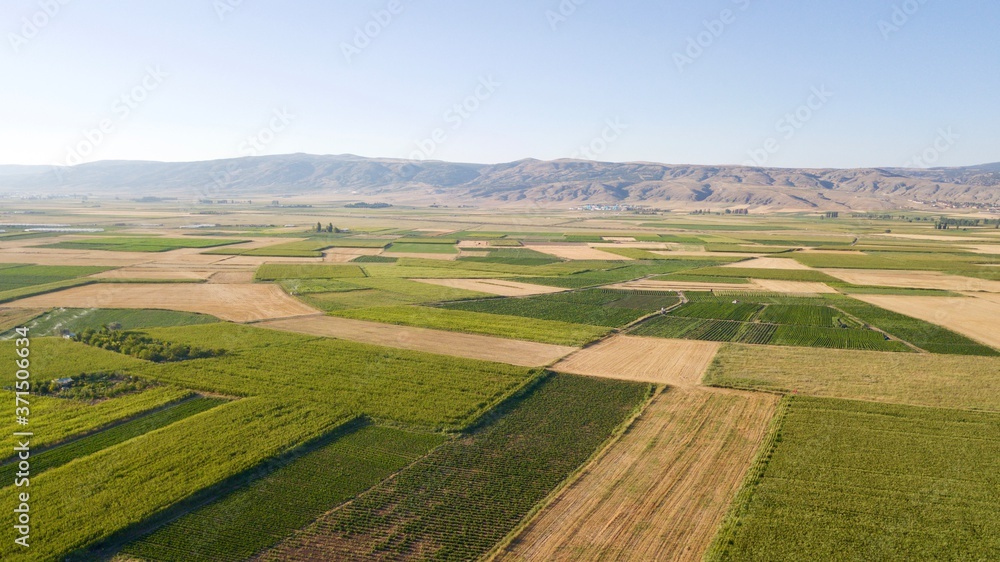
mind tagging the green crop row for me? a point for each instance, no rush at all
(82, 447)
(460, 500)
(515, 327)
(259, 515)
(860, 481)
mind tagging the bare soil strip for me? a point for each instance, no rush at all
(237, 303)
(655, 360)
(574, 252)
(471, 346)
(976, 318)
(913, 279)
(770, 263)
(660, 492)
(494, 286)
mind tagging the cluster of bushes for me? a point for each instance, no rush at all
(142, 346)
(93, 386)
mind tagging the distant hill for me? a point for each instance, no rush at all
(559, 183)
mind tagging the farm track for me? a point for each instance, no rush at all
(661, 491)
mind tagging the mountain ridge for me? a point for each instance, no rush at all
(552, 183)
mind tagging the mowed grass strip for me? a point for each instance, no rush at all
(514, 327)
(63, 454)
(860, 481)
(465, 496)
(261, 514)
(944, 381)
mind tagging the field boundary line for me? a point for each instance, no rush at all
(106, 548)
(111, 425)
(741, 502)
(879, 330)
(529, 518)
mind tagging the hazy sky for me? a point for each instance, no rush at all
(778, 83)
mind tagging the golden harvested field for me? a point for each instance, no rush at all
(574, 252)
(232, 277)
(471, 346)
(661, 491)
(48, 256)
(985, 249)
(474, 244)
(14, 317)
(343, 255)
(655, 360)
(238, 303)
(769, 263)
(913, 279)
(618, 238)
(149, 272)
(795, 287)
(978, 319)
(494, 286)
(939, 381)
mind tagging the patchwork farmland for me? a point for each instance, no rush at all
(433, 385)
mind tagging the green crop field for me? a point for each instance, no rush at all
(23, 276)
(515, 327)
(63, 454)
(862, 481)
(141, 244)
(770, 320)
(512, 256)
(594, 307)
(259, 515)
(457, 502)
(422, 248)
(76, 319)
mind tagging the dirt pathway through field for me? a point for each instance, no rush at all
(660, 492)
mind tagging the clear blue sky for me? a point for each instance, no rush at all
(557, 82)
